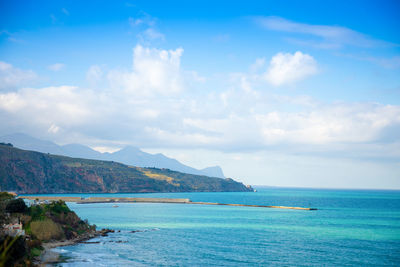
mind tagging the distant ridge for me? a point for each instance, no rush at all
(214, 171)
(128, 155)
(31, 172)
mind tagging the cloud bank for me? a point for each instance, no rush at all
(12, 78)
(154, 105)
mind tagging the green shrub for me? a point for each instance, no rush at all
(36, 212)
(5, 196)
(47, 230)
(58, 207)
(35, 252)
(16, 205)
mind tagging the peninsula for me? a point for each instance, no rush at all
(30, 172)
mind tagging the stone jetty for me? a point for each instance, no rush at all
(91, 200)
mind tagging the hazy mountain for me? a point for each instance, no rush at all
(136, 157)
(30, 143)
(81, 151)
(30, 172)
(129, 155)
(214, 171)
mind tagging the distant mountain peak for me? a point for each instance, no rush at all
(214, 171)
(129, 150)
(129, 155)
(25, 141)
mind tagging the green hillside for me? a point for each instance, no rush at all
(34, 172)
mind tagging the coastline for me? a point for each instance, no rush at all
(49, 256)
(249, 231)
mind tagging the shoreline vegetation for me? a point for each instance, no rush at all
(28, 234)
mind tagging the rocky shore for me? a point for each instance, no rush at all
(48, 256)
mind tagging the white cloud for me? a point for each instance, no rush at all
(287, 68)
(257, 65)
(389, 63)
(152, 106)
(151, 34)
(195, 76)
(332, 36)
(326, 126)
(148, 31)
(220, 124)
(53, 129)
(63, 105)
(11, 77)
(94, 74)
(329, 125)
(103, 149)
(135, 22)
(10, 102)
(154, 72)
(144, 19)
(56, 67)
(149, 95)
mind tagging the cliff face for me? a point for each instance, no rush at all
(33, 172)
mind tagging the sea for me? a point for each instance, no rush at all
(349, 228)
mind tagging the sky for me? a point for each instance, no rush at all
(278, 93)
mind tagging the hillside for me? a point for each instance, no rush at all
(31, 172)
(128, 155)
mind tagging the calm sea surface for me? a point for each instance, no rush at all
(350, 227)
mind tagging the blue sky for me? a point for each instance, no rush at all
(287, 93)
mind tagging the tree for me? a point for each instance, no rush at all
(16, 205)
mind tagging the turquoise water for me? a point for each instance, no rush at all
(350, 227)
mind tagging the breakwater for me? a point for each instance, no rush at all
(257, 206)
(92, 200)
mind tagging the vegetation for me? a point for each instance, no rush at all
(13, 251)
(46, 230)
(5, 196)
(16, 205)
(4, 200)
(42, 223)
(6, 144)
(33, 172)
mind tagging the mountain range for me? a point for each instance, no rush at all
(128, 155)
(31, 172)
